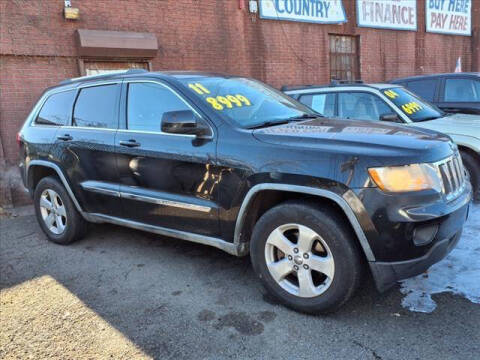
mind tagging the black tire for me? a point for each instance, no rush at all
(348, 263)
(473, 167)
(75, 227)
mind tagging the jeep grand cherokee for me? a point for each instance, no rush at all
(230, 162)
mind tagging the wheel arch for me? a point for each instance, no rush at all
(286, 191)
(470, 151)
(38, 169)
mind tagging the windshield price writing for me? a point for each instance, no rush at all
(220, 102)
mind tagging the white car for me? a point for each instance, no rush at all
(387, 102)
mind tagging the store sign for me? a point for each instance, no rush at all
(449, 17)
(387, 14)
(314, 11)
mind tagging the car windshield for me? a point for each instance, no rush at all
(246, 102)
(411, 105)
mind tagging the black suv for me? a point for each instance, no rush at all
(453, 93)
(232, 163)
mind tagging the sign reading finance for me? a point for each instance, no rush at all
(314, 11)
(449, 17)
(387, 14)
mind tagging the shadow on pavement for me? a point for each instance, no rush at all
(173, 299)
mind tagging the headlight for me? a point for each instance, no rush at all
(413, 177)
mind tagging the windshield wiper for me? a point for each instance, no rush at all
(306, 116)
(268, 124)
(285, 121)
(429, 118)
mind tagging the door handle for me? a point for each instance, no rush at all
(129, 143)
(65, 137)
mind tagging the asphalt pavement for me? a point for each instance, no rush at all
(121, 293)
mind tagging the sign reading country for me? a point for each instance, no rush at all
(314, 11)
(387, 14)
(449, 17)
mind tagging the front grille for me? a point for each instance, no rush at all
(453, 175)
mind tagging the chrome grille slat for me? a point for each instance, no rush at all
(458, 168)
(446, 176)
(461, 170)
(452, 174)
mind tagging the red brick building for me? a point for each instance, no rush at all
(39, 47)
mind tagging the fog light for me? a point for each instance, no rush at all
(424, 234)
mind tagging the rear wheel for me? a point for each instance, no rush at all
(56, 213)
(473, 171)
(306, 256)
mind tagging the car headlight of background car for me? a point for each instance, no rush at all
(414, 177)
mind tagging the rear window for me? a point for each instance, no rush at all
(96, 107)
(57, 109)
(423, 88)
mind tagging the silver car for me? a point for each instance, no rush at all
(387, 102)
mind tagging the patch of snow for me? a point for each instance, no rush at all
(458, 273)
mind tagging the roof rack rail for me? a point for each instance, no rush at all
(298, 87)
(136, 71)
(101, 76)
(345, 82)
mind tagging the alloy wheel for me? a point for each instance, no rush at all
(299, 260)
(53, 211)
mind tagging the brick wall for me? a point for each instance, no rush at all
(37, 47)
(476, 37)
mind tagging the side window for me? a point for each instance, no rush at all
(362, 106)
(147, 102)
(321, 103)
(57, 109)
(462, 90)
(423, 88)
(96, 107)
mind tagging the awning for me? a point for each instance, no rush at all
(116, 44)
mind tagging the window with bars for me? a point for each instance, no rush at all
(344, 58)
(105, 67)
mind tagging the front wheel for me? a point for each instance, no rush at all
(306, 256)
(56, 213)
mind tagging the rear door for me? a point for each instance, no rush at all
(86, 148)
(460, 95)
(53, 111)
(323, 103)
(166, 180)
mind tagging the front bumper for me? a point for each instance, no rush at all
(386, 274)
(397, 222)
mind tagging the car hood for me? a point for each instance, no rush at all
(401, 144)
(458, 124)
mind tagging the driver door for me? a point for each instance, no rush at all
(166, 180)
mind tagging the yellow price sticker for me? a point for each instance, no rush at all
(391, 94)
(228, 101)
(411, 107)
(199, 88)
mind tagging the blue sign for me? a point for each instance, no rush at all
(314, 11)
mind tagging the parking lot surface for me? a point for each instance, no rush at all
(121, 293)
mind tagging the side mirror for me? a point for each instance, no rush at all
(392, 117)
(183, 122)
